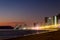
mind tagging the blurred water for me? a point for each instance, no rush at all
(17, 33)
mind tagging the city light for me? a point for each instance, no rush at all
(49, 27)
(55, 20)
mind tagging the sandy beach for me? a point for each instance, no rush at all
(44, 36)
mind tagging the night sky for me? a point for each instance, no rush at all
(25, 10)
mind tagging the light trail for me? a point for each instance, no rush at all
(50, 27)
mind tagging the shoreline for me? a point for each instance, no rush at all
(44, 36)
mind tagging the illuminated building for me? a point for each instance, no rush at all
(55, 20)
(51, 20)
(48, 20)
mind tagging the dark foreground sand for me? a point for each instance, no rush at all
(45, 36)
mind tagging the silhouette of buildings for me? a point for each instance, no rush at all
(6, 27)
(52, 20)
(48, 20)
(58, 18)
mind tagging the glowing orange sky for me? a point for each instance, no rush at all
(13, 24)
(14, 21)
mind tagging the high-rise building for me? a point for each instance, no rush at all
(58, 18)
(48, 20)
(52, 20)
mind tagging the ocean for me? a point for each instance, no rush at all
(9, 33)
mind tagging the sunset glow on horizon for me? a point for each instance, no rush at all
(27, 10)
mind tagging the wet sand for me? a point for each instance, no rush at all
(44, 36)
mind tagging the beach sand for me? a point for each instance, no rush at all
(44, 36)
